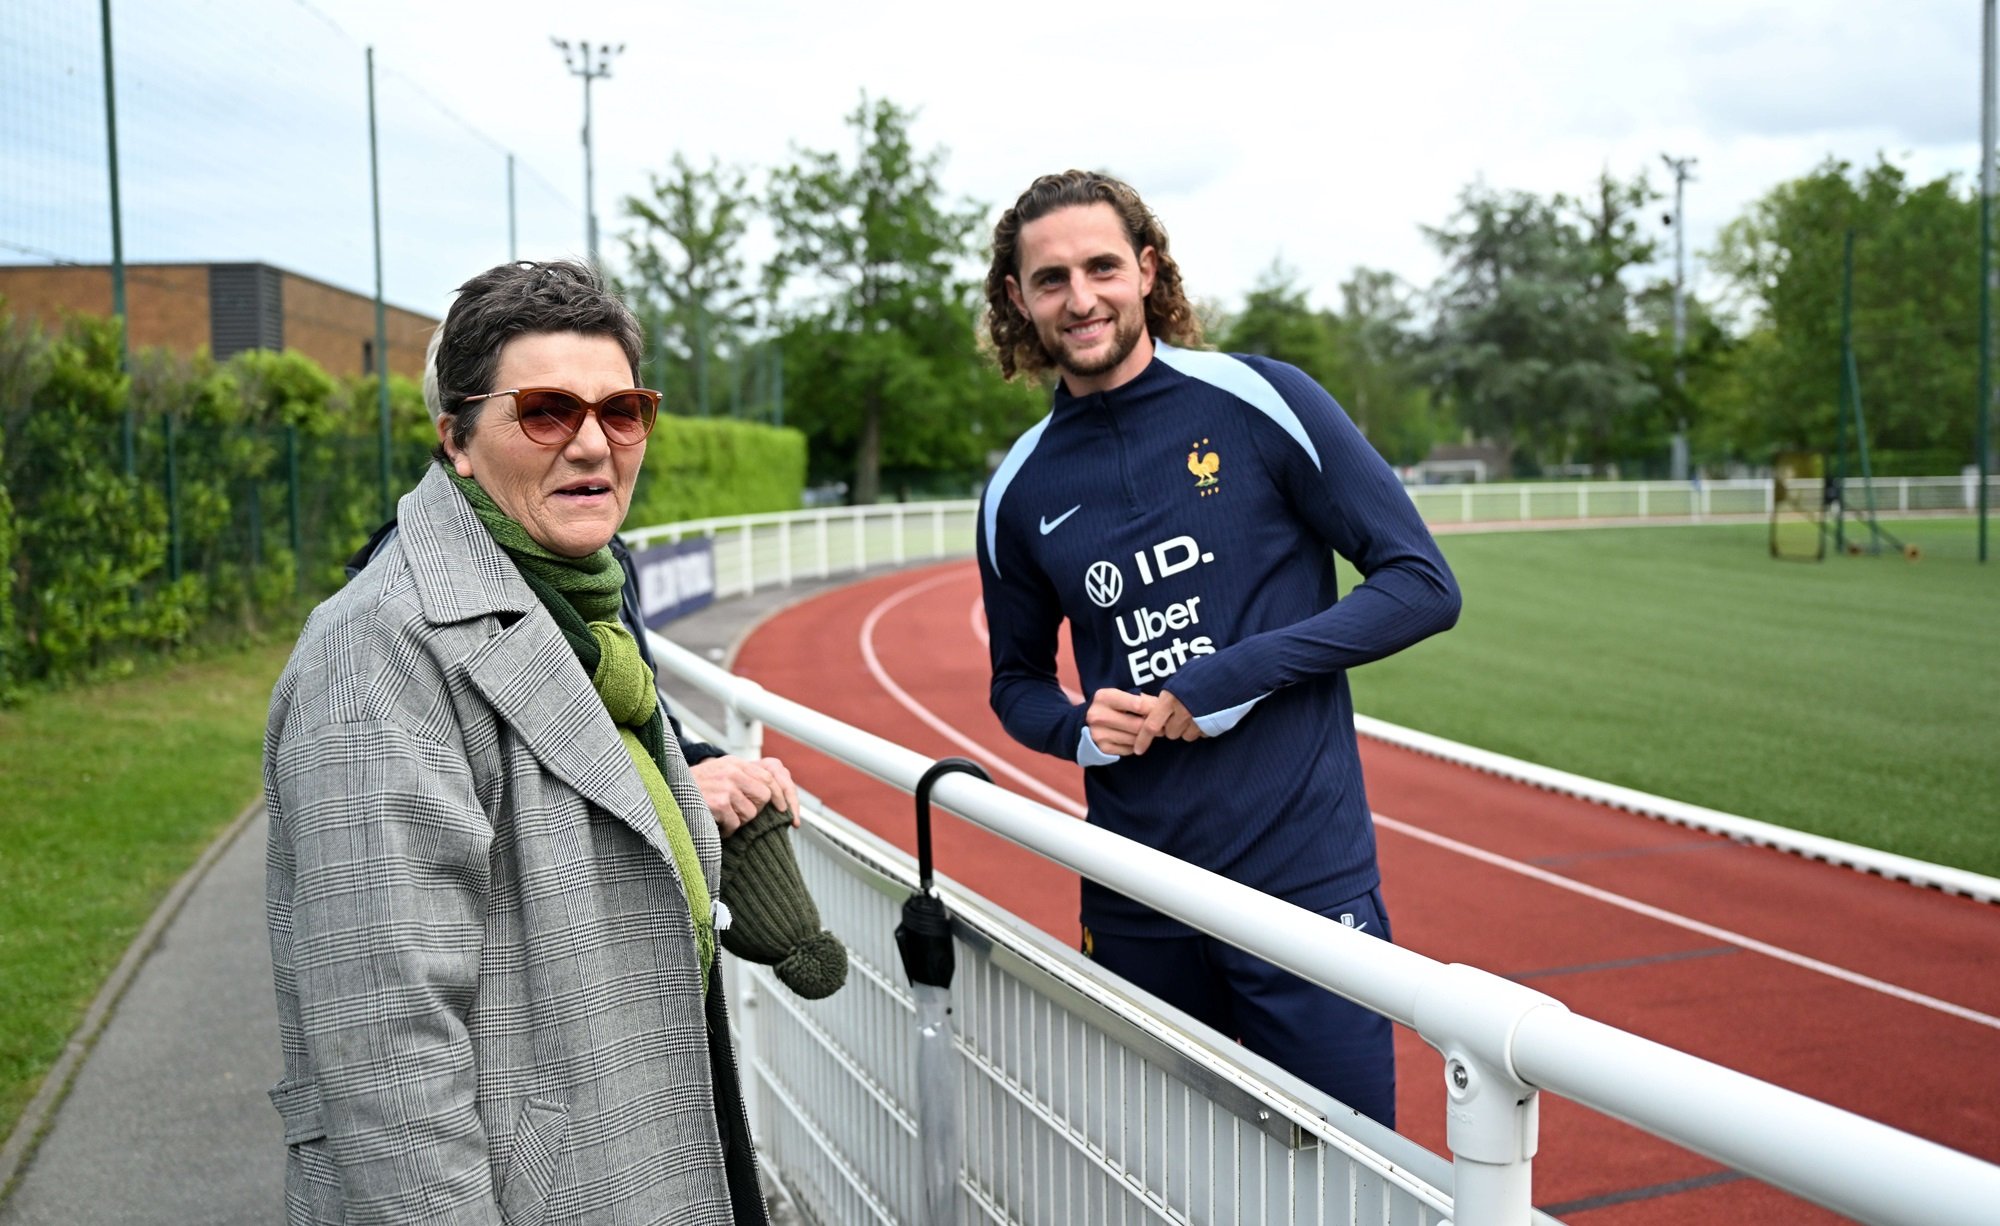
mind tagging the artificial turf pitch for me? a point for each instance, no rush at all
(1857, 698)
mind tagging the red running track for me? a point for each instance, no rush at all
(1872, 995)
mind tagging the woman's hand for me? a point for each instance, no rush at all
(735, 788)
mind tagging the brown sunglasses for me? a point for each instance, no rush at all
(551, 416)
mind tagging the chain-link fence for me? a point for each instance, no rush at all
(151, 498)
(248, 141)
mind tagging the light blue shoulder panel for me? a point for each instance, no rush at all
(1239, 380)
(996, 489)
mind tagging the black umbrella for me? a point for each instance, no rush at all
(924, 938)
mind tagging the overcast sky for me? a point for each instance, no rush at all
(1324, 134)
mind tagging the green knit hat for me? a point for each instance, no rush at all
(772, 918)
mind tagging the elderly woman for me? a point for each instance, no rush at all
(490, 874)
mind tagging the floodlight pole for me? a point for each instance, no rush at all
(381, 312)
(590, 63)
(130, 431)
(1678, 465)
(1986, 156)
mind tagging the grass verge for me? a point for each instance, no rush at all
(107, 795)
(1853, 698)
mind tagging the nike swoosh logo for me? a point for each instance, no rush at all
(1050, 525)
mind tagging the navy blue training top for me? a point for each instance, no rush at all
(1185, 524)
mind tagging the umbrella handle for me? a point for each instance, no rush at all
(938, 769)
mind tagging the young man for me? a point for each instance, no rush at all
(1181, 510)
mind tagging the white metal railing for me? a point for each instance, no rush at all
(753, 552)
(1669, 500)
(1082, 1102)
(1502, 1042)
(1091, 1101)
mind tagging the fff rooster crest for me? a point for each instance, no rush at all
(1204, 468)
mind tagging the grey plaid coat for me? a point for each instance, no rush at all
(487, 987)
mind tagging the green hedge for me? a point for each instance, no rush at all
(702, 467)
(10, 645)
(1888, 462)
(251, 482)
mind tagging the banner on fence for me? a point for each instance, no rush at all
(675, 579)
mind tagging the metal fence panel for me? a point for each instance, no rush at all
(1083, 1101)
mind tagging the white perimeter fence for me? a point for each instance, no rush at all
(1075, 1099)
(754, 552)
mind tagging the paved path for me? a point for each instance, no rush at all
(167, 1119)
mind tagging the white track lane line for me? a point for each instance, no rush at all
(1059, 801)
(978, 618)
(1054, 798)
(1681, 921)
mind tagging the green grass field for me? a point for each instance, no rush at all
(107, 796)
(1857, 698)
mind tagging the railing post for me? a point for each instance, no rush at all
(744, 735)
(1492, 1117)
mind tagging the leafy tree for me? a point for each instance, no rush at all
(1379, 371)
(1366, 355)
(1914, 312)
(1700, 396)
(880, 357)
(1277, 322)
(1533, 338)
(687, 267)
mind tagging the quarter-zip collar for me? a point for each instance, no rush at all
(1112, 412)
(1156, 378)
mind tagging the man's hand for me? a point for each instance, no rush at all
(735, 788)
(1114, 719)
(1167, 720)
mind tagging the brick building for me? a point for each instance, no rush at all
(226, 307)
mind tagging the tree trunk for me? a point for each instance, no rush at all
(868, 453)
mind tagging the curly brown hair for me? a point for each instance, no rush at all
(1169, 316)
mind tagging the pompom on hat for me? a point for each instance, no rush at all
(772, 917)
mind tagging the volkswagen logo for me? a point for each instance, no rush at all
(1104, 584)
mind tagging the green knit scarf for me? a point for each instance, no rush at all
(582, 594)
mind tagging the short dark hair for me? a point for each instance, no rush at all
(1169, 317)
(518, 299)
